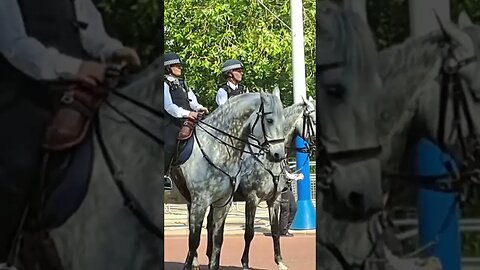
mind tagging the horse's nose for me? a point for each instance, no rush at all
(355, 200)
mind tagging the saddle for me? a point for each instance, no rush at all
(73, 117)
(68, 156)
(187, 128)
(63, 187)
(185, 141)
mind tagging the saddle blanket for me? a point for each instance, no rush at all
(65, 196)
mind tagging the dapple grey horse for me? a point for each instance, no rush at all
(349, 183)
(210, 176)
(410, 72)
(353, 250)
(262, 180)
(103, 233)
(413, 101)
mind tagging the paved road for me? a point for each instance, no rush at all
(298, 252)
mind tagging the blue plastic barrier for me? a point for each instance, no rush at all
(437, 211)
(305, 218)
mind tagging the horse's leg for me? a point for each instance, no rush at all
(251, 209)
(273, 212)
(196, 214)
(210, 233)
(195, 263)
(219, 217)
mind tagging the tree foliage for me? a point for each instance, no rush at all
(135, 23)
(390, 21)
(207, 33)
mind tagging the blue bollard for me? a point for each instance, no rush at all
(436, 210)
(305, 218)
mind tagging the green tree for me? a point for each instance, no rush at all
(135, 23)
(207, 33)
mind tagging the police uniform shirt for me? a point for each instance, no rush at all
(39, 62)
(222, 95)
(171, 107)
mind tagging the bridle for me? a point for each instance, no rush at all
(468, 172)
(325, 159)
(308, 131)
(457, 181)
(325, 184)
(263, 147)
(267, 142)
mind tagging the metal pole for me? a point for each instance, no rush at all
(435, 208)
(305, 218)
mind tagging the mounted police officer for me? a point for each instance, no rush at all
(41, 41)
(232, 72)
(179, 103)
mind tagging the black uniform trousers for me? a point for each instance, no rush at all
(23, 121)
(288, 208)
(171, 128)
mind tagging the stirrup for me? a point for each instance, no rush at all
(167, 184)
(3, 266)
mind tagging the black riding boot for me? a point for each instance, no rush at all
(12, 206)
(168, 183)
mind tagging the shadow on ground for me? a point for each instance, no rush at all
(179, 266)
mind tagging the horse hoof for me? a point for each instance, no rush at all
(282, 266)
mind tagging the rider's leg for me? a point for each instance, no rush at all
(169, 150)
(20, 158)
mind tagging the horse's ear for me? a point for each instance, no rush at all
(304, 100)
(262, 95)
(464, 20)
(449, 28)
(276, 92)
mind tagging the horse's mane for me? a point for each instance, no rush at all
(292, 112)
(415, 56)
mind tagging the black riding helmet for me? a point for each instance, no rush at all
(230, 65)
(170, 59)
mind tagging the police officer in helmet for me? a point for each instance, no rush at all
(232, 72)
(179, 103)
(41, 41)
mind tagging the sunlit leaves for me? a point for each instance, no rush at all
(206, 33)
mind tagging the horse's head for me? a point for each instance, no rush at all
(348, 83)
(306, 127)
(459, 50)
(267, 124)
(467, 46)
